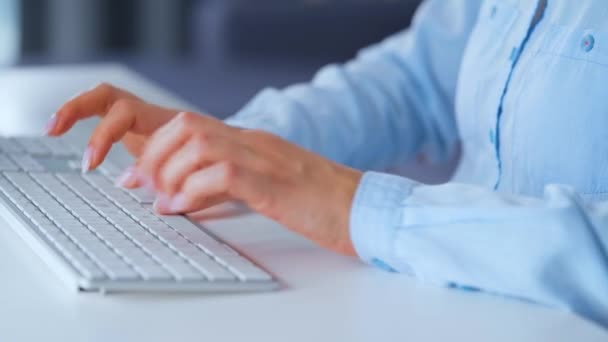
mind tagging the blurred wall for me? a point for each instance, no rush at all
(72, 30)
(330, 30)
(10, 34)
(215, 53)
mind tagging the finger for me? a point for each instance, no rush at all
(198, 152)
(203, 184)
(189, 122)
(123, 117)
(96, 101)
(173, 135)
(220, 179)
(129, 179)
(163, 203)
(160, 146)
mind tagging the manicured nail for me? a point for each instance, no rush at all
(128, 177)
(145, 181)
(178, 204)
(50, 125)
(87, 159)
(162, 204)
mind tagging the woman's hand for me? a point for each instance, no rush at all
(196, 162)
(124, 117)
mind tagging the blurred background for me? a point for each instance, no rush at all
(214, 53)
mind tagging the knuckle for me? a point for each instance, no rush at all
(258, 137)
(104, 88)
(189, 184)
(122, 105)
(229, 173)
(100, 136)
(300, 167)
(263, 203)
(200, 148)
(202, 140)
(186, 118)
(166, 176)
(184, 122)
(264, 166)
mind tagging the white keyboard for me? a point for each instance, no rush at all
(98, 237)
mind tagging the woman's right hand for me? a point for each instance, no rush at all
(125, 118)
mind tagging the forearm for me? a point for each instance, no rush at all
(549, 250)
(381, 108)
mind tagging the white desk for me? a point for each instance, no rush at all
(326, 297)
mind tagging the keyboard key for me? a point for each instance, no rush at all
(6, 164)
(245, 270)
(110, 170)
(210, 268)
(10, 146)
(33, 146)
(194, 233)
(154, 272)
(27, 163)
(142, 196)
(58, 147)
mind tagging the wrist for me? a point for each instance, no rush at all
(346, 187)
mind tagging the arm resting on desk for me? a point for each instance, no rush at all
(550, 250)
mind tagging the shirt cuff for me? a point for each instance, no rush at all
(376, 213)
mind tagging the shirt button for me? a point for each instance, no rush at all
(588, 43)
(492, 137)
(514, 54)
(493, 12)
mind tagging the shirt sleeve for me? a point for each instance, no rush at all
(549, 250)
(384, 107)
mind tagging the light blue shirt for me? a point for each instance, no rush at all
(526, 214)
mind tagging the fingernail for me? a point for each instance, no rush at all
(50, 125)
(87, 159)
(145, 181)
(128, 177)
(162, 204)
(178, 204)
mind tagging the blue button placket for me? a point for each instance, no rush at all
(513, 58)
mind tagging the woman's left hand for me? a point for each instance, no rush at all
(195, 162)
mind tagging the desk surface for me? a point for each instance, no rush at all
(325, 297)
